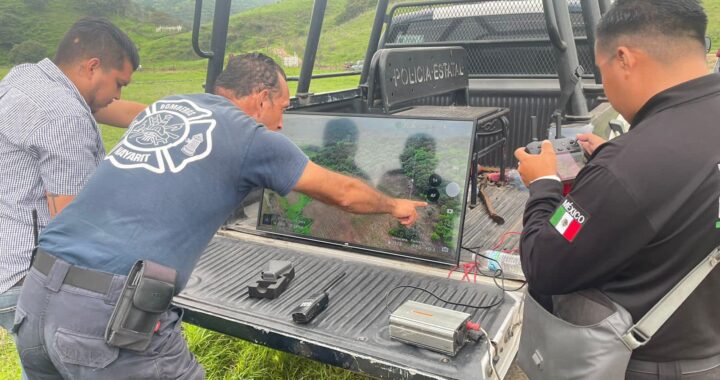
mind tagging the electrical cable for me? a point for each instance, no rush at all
(498, 273)
(491, 353)
(495, 274)
(474, 268)
(494, 304)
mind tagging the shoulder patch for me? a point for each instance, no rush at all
(569, 219)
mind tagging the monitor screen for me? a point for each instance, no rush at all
(417, 159)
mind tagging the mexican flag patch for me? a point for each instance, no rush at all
(569, 219)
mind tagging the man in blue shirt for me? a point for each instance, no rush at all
(185, 163)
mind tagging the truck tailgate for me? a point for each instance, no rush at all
(353, 332)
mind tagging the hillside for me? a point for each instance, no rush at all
(184, 10)
(45, 21)
(280, 30)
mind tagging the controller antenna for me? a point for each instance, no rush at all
(534, 128)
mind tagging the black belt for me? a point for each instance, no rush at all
(87, 279)
(686, 367)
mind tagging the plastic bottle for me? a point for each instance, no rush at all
(509, 262)
(514, 180)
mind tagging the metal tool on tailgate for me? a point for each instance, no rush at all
(487, 202)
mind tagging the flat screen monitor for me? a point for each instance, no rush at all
(417, 159)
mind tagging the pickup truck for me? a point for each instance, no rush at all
(481, 78)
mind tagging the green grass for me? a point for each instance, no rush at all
(225, 357)
(9, 362)
(222, 356)
(712, 8)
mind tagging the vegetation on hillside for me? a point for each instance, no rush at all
(184, 10)
(280, 30)
(46, 21)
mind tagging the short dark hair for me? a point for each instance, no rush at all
(93, 37)
(645, 20)
(246, 74)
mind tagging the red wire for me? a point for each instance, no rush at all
(472, 267)
(502, 239)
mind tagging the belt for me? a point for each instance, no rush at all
(686, 366)
(87, 279)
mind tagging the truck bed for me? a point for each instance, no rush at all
(353, 332)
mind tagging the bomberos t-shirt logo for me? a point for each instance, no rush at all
(168, 135)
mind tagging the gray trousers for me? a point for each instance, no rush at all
(60, 335)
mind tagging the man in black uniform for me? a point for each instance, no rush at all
(644, 211)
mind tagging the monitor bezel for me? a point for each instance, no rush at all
(358, 248)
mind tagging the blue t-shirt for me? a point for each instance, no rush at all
(183, 166)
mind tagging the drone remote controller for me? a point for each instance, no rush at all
(570, 156)
(561, 145)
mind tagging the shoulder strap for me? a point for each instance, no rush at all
(648, 325)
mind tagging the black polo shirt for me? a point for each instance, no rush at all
(641, 215)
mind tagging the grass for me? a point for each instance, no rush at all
(712, 8)
(222, 356)
(9, 362)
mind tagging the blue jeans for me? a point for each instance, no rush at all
(8, 302)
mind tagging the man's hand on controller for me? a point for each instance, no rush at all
(589, 142)
(534, 166)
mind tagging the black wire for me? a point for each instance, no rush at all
(387, 298)
(496, 273)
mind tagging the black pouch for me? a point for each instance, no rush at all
(147, 293)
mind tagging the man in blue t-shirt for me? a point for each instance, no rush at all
(185, 163)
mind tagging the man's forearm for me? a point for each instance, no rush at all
(360, 198)
(353, 195)
(119, 113)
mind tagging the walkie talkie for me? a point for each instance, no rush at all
(310, 307)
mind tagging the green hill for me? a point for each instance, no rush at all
(281, 30)
(46, 21)
(278, 29)
(184, 10)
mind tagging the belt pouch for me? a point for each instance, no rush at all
(147, 293)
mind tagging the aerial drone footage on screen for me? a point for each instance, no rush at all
(407, 158)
